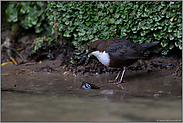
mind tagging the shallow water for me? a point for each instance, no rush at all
(28, 107)
(57, 96)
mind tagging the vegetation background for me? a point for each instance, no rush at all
(78, 23)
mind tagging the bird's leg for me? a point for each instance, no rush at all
(116, 79)
(124, 69)
(121, 80)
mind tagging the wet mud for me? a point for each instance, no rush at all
(49, 93)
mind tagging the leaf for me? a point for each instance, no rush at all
(164, 52)
(179, 44)
(171, 37)
(179, 35)
(118, 21)
(134, 29)
(169, 14)
(25, 8)
(112, 20)
(34, 22)
(67, 22)
(144, 32)
(82, 32)
(75, 35)
(116, 15)
(145, 14)
(171, 4)
(171, 46)
(88, 23)
(84, 39)
(163, 3)
(94, 30)
(157, 18)
(149, 21)
(38, 29)
(12, 13)
(176, 44)
(180, 47)
(66, 34)
(39, 42)
(160, 27)
(90, 37)
(164, 43)
(100, 13)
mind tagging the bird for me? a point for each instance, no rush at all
(118, 53)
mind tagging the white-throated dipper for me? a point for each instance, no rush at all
(118, 53)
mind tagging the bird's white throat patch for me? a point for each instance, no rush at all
(103, 57)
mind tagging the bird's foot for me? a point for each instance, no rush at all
(118, 83)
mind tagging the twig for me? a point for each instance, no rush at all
(110, 8)
(55, 26)
(10, 74)
(17, 52)
(109, 4)
(44, 39)
(178, 67)
(97, 10)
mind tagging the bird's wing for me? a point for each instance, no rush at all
(122, 51)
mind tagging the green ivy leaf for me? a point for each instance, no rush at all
(66, 34)
(88, 23)
(118, 21)
(164, 43)
(12, 12)
(39, 42)
(164, 52)
(144, 32)
(90, 37)
(149, 21)
(179, 35)
(178, 44)
(157, 18)
(163, 3)
(84, 38)
(169, 14)
(171, 37)
(82, 32)
(38, 29)
(116, 15)
(171, 46)
(112, 20)
(134, 29)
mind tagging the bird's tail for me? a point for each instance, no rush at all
(148, 45)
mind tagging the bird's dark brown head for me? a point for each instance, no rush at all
(99, 45)
(94, 46)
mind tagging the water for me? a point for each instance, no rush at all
(155, 96)
(28, 107)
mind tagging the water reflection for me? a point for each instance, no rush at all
(35, 107)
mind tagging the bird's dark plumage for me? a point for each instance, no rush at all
(121, 52)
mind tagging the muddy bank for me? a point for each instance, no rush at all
(50, 93)
(49, 77)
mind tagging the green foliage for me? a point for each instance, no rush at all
(4, 23)
(28, 14)
(82, 22)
